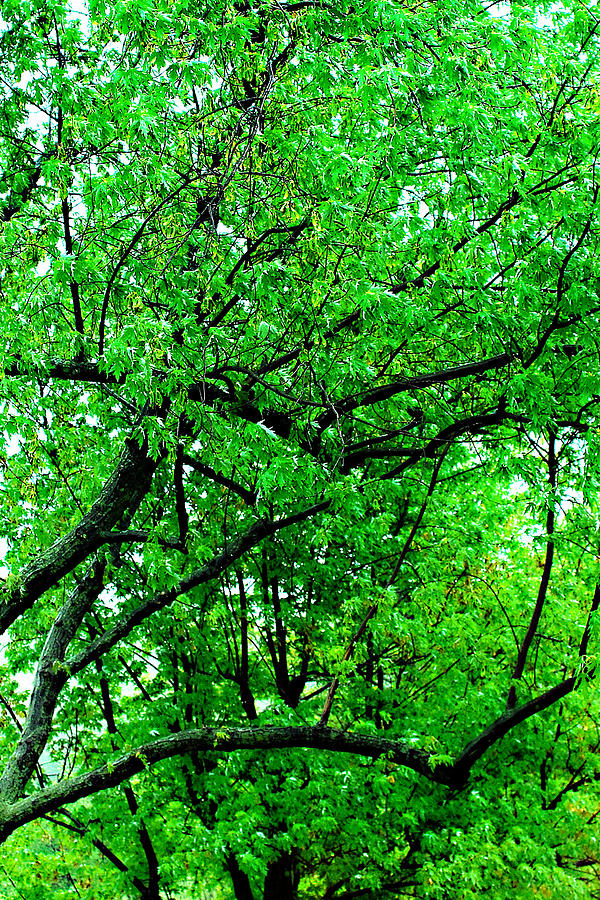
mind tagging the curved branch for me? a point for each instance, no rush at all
(223, 739)
(505, 723)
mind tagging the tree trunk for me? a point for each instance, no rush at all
(282, 879)
(239, 879)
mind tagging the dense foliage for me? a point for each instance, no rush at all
(300, 395)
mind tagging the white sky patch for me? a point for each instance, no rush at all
(3, 552)
(79, 11)
(12, 444)
(43, 267)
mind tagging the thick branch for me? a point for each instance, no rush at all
(505, 723)
(202, 740)
(123, 492)
(50, 678)
(270, 738)
(454, 775)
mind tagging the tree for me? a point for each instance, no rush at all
(300, 404)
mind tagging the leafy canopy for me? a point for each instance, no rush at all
(299, 394)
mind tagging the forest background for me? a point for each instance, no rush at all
(299, 398)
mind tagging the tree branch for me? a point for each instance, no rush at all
(545, 580)
(123, 492)
(223, 739)
(462, 766)
(235, 549)
(50, 677)
(247, 496)
(386, 391)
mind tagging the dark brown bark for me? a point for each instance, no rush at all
(453, 775)
(122, 493)
(544, 582)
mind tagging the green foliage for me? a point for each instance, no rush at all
(299, 396)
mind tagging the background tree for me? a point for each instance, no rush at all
(300, 413)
